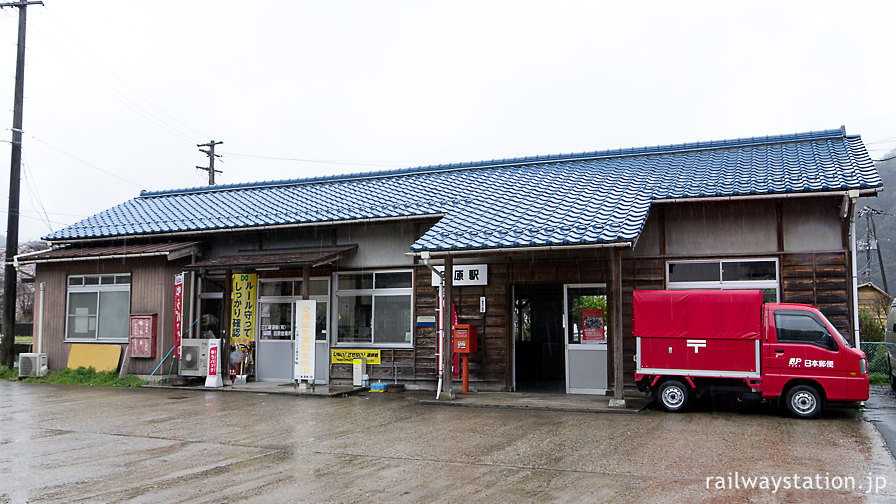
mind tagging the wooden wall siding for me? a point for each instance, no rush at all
(822, 280)
(487, 365)
(637, 274)
(152, 291)
(569, 271)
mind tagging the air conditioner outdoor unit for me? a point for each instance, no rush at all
(32, 364)
(194, 357)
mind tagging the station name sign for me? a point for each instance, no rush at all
(464, 275)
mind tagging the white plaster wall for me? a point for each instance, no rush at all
(721, 228)
(812, 224)
(379, 245)
(649, 241)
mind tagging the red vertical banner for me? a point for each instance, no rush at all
(455, 357)
(178, 312)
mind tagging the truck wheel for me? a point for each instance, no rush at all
(804, 401)
(890, 374)
(672, 395)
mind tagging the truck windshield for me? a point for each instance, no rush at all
(837, 334)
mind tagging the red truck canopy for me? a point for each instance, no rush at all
(729, 314)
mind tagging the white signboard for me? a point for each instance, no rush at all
(214, 356)
(306, 322)
(464, 274)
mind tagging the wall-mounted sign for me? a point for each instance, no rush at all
(306, 320)
(593, 326)
(464, 275)
(178, 312)
(242, 315)
(426, 320)
(342, 356)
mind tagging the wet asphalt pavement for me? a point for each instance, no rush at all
(88, 444)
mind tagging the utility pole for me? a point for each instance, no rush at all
(211, 160)
(15, 167)
(880, 259)
(870, 243)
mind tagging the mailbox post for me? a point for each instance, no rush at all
(465, 343)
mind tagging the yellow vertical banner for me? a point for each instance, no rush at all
(242, 315)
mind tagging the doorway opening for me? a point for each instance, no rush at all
(539, 353)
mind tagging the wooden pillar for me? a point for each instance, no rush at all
(306, 282)
(615, 301)
(446, 392)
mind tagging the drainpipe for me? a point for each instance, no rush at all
(40, 317)
(424, 256)
(853, 196)
(15, 260)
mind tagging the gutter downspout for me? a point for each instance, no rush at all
(15, 260)
(424, 256)
(40, 317)
(853, 196)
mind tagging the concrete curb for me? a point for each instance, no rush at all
(287, 391)
(529, 407)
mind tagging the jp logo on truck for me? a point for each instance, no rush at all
(697, 344)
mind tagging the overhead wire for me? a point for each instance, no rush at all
(112, 72)
(91, 165)
(392, 164)
(35, 196)
(104, 86)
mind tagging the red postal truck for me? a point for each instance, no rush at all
(692, 342)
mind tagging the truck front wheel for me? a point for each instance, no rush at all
(804, 401)
(890, 374)
(672, 395)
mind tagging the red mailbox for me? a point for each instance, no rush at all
(142, 337)
(464, 338)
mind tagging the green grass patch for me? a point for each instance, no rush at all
(87, 376)
(8, 373)
(879, 379)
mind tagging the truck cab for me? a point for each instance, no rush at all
(807, 361)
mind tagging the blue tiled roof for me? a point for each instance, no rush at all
(565, 199)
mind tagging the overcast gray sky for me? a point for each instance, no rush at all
(118, 93)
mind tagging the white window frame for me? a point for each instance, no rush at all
(297, 296)
(727, 284)
(98, 289)
(373, 293)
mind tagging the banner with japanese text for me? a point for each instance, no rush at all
(242, 314)
(178, 312)
(306, 319)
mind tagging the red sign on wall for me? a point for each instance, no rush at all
(593, 325)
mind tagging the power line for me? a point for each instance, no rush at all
(104, 86)
(87, 163)
(35, 196)
(322, 161)
(121, 80)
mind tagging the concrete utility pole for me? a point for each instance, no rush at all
(211, 160)
(7, 344)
